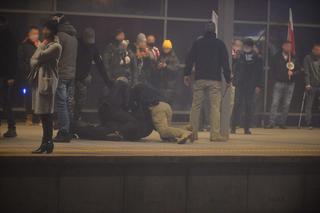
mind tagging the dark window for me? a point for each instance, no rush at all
(303, 11)
(251, 10)
(137, 7)
(26, 4)
(192, 9)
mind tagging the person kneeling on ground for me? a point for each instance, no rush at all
(161, 113)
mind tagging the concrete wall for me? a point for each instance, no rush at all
(159, 184)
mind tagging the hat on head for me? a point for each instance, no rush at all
(118, 31)
(141, 37)
(210, 27)
(59, 18)
(248, 42)
(52, 26)
(167, 44)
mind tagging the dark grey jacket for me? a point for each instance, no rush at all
(311, 65)
(67, 64)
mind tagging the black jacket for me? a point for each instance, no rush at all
(248, 71)
(86, 54)
(162, 77)
(25, 52)
(144, 95)
(8, 54)
(112, 58)
(279, 70)
(210, 57)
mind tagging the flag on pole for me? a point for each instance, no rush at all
(214, 19)
(290, 36)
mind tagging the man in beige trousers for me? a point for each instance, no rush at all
(210, 59)
(160, 112)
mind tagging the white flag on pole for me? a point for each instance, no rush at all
(215, 20)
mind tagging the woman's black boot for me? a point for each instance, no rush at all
(50, 146)
(42, 148)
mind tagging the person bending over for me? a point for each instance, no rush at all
(161, 113)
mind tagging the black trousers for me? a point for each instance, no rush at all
(243, 104)
(47, 127)
(7, 101)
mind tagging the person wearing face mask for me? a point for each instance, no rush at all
(283, 78)
(44, 80)
(8, 61)
(145, 60)
(248, 75)
(87, 53)
(311, 65)
(151, 43)
(167, 67)
(25, 52)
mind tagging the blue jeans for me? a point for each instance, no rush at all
(282, 95)
(64, 104)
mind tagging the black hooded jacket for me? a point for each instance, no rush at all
(248, 73)
(210, 57)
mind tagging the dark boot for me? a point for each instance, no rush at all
(45, 147)
(11, 133)
(50, 147)
(42, 148)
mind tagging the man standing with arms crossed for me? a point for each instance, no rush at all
(210, 58)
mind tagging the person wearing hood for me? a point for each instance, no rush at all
(166, 72)
(44, 80)
(311, 65)
(87, 53)
(8, 61)
(25, 52)
(210, 58)
(67, 70)
(248, 76)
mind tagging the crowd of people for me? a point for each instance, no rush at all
(139, 79)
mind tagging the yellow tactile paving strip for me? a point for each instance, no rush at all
(291, 142)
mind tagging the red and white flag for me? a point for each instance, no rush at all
(290, 36)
